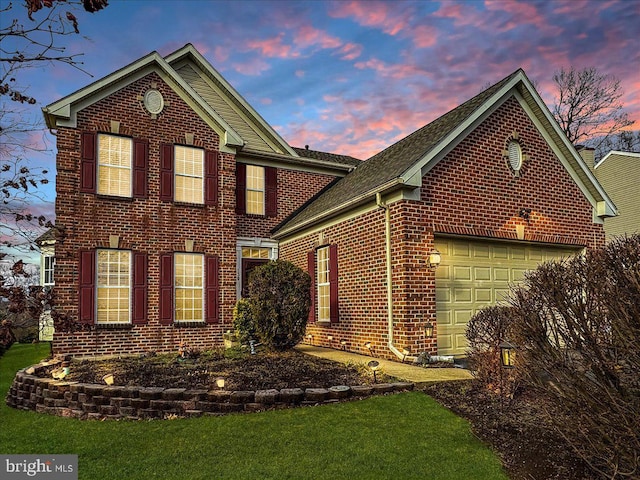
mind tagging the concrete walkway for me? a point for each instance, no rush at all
(403, 371)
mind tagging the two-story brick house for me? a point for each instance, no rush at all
(171, 188)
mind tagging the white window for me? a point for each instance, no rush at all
(189, 291)
(189, 174)
(255, 190)
(114, 165)
(113, 286)
(48, 266)
(322, 282)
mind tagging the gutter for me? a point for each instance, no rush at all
(387, 225)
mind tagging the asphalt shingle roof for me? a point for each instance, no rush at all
(328, 157)
(393, 161)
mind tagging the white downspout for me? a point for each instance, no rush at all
(387, 225)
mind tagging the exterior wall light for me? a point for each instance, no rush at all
(220, 383)
(434, 259)
(507, 355)
(374, 365)
(428, 330)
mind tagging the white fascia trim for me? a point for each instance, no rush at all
(601, 207)
(617, 152)
(346, 206)
(427, 162)
(210, 70)
(304, 164)
(310, 228)
(610, 209)
(63, 112)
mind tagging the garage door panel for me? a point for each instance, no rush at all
(481, 274)
(474, 274)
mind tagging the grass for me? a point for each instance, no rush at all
(399, 436)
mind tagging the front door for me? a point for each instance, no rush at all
(248, 264)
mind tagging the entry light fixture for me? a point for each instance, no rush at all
(428, 330)
(220, 383)
(507, 355)
(434, 259)
(374, 365)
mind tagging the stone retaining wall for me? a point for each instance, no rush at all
(91, 401)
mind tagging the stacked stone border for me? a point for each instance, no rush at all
(85, 401)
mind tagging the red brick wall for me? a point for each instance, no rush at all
(151, 226)
(470, 192)
(473, 192)
(294, 189)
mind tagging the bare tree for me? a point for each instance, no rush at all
(588, 105)
(31, 34)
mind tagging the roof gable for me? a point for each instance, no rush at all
(404, 163)
(216, 92)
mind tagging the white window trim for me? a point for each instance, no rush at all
(103, 165)
(326, 285)
(248, 242)
(200, 201)
(263, 190)
(97, 287)
(176, 287)
(50, 268)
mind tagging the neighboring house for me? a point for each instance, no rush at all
(46, 244)
(619, 174)
(171, 188)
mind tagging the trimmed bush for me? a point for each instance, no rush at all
(279, 302)
(243, 321)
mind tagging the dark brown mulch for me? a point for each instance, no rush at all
(517, 429)
(264, 370)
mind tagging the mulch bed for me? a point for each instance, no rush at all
(517, 430)
(262, 371)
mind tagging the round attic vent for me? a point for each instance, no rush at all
(153, 101)
(515, 156)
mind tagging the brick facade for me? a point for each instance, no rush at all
(152, 226)
(470, 192)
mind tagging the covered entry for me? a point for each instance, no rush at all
(476, 273)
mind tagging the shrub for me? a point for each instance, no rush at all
(243, 321)
(279, 303)
(577, 327)
(485, 332)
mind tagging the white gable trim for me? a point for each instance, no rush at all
(64, 111)
(602, 204)
(256, 118)
(618, 153)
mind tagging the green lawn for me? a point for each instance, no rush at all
(399, 436)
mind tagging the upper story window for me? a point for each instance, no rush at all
(113, 286)
(189, 174)
(48, 266)
(115, 156)
(255, 190)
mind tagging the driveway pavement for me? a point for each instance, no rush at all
(404, 371)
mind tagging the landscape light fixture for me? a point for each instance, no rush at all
(434, 259)
(374, 365)
(428, 330)
(507, 355)
(343, 342)
(310, 338)
(330, 337)
(220, 383)
(108, 379)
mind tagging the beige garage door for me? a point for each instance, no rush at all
(474, 274)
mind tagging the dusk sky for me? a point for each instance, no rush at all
(353, 77)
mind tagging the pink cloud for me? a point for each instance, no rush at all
(372, 14)
(424, 36)
(307, 36)
(350, 51)
(272, 47)
(397, 70)
(252, 67)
